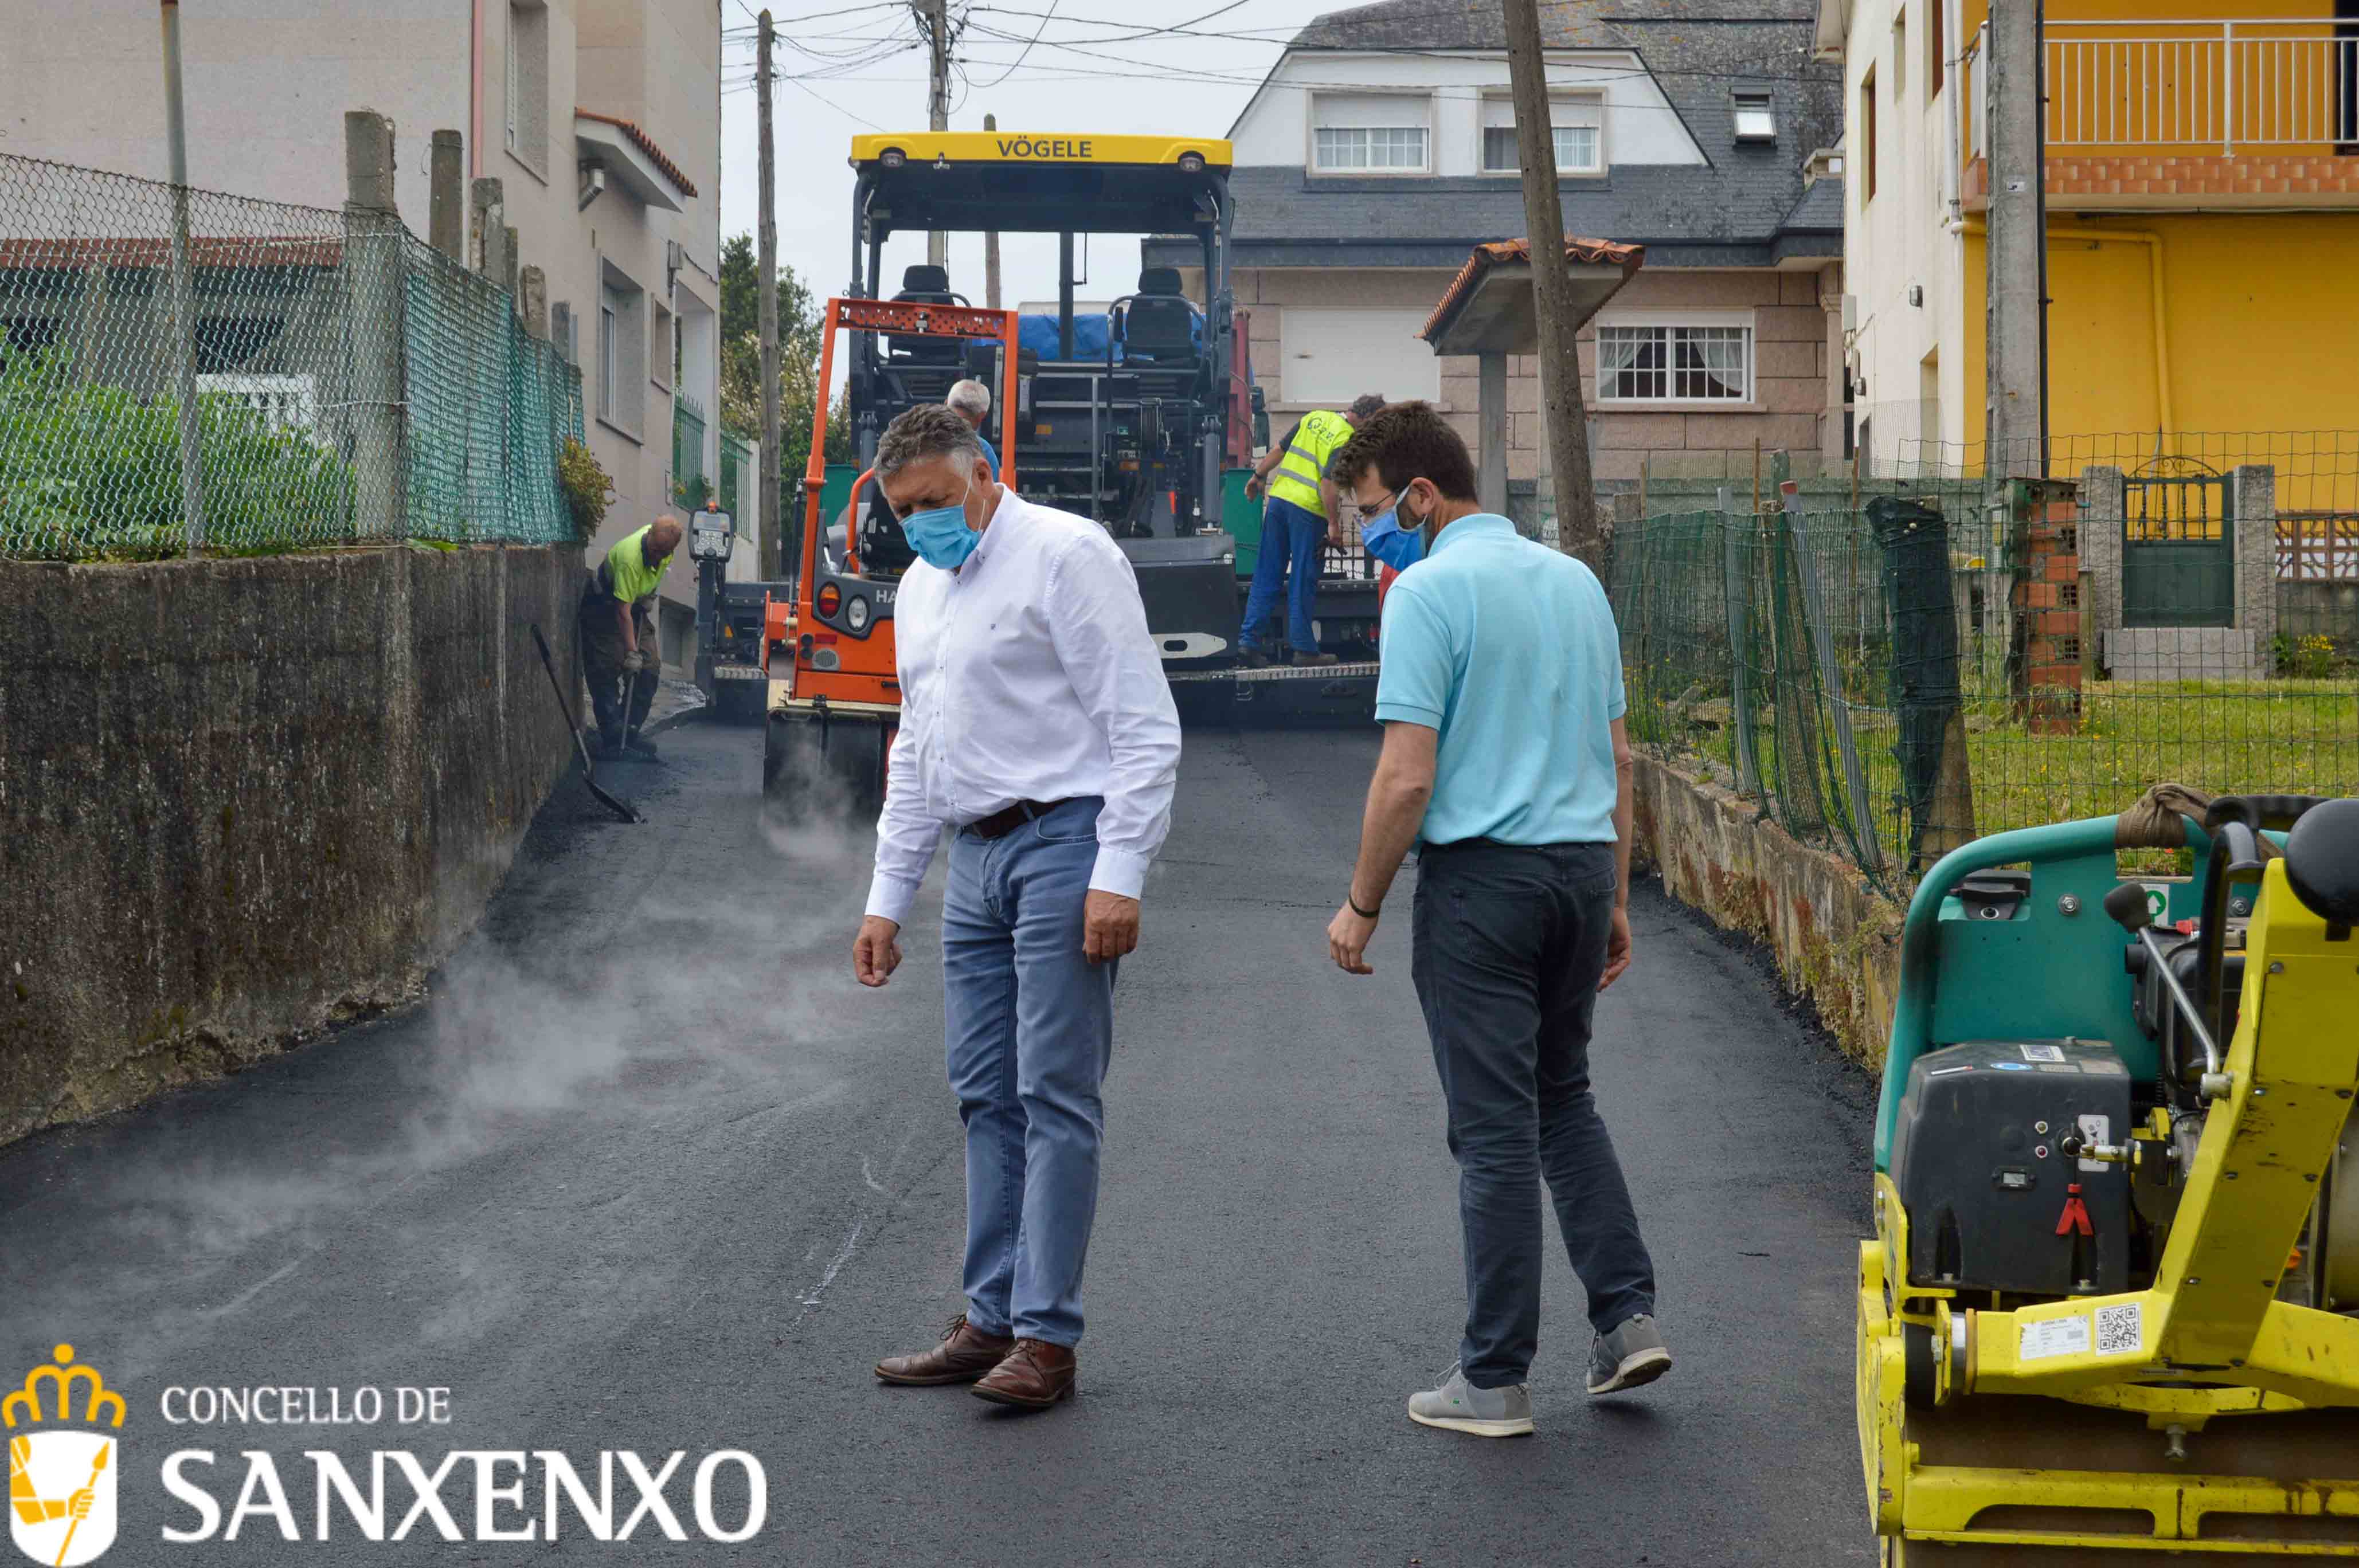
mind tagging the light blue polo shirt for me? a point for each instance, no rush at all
(1508, 648)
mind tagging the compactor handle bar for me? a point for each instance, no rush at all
(2126, 904)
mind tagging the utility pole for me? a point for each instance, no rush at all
(934, 15)
(2015, 382)
(770, 542)
(184, 339)
(991, 244)
(1567, 416)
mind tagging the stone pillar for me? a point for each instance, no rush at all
(1491, 404)
(486, 199)
(2102, 497)
(373, 263)
(2253, 495)
(446, 183)
(532, 298)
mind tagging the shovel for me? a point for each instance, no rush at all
(581, 746)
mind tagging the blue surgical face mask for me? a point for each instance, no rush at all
(941, 535)
(1388, 542)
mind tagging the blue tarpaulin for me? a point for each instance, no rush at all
(1037, 334)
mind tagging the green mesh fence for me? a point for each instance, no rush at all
(489, 406)
(1894, 677)
(186, 371)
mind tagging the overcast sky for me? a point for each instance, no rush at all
(1100, 66)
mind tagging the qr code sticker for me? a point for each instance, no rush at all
(2121, 1330)
(2043, 1053)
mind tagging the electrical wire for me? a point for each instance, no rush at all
(1028, 47)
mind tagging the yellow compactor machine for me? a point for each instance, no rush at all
(2111, 1312)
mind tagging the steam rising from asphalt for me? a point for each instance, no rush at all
(592, 1006)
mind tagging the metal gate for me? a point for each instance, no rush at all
(2179, 546)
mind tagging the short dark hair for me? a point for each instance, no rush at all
(926, 431)
(1407, 441)
(1366, 404)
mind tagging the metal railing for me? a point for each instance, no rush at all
(688, 482)
(2209, 85)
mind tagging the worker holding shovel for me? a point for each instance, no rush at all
(618, 637)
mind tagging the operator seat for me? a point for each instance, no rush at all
(925, 285)
(1159, 325)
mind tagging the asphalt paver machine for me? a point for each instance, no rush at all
(828, 647)
(2110, 1311)
(1134, 417)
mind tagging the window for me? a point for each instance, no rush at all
(1868, 137)
(1378, 132)
(528, 84)
(1579, 125)
(667, 341)
(1675, 361)
(1757, 118)
(622, 353)
(1899, 56)
(1935, 47)
(1328, 357)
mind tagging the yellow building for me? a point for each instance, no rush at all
(2202, 184)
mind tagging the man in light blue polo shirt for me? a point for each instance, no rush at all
(1505, 752)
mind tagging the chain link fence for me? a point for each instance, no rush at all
(183, 370)
(1893, 667)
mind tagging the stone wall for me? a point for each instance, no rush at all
(240, 799)
(1835, 939)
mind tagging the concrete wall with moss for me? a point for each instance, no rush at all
(241, 799)
(1835, 939)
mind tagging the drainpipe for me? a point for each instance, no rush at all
(2159, 312)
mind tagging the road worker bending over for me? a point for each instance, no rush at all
(618, 637)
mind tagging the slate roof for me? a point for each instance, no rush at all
(1735, 210)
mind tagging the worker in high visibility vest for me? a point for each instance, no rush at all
(1304, 511)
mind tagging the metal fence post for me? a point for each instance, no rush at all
(372, 269)
(1871, 853)
(184, 325)
(1737, 594)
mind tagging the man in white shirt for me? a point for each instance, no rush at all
(1036, 725)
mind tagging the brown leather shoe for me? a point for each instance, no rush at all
(963, 1355)
(1035, 1376)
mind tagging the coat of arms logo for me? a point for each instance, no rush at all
(62, 1462)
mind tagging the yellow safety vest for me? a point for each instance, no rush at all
(1297, 474)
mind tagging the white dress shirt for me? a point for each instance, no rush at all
(1026, 674)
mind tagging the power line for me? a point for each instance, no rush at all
(1027, 47)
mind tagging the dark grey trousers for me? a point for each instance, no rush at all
(1507, 944)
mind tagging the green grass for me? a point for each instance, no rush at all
(2219, 737)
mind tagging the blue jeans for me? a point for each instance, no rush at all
(1029, 1024)
(1290, 537)
(1506, 944)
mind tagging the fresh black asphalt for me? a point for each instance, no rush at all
(649, 1171)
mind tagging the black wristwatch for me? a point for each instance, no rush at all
(1355, 905)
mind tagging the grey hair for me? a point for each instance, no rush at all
(970, 398)
(928, 430)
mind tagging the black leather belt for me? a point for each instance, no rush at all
(1000, 824)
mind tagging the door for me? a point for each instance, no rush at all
(2178, 550)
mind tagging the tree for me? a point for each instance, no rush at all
(800, 320)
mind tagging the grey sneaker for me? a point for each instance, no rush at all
(1459, 1406)
(1631, 1356)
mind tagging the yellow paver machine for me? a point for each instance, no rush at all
(2111, 1312)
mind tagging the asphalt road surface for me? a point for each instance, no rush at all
(651, 1173)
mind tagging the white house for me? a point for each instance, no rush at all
(1382, 147)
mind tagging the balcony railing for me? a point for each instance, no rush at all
(2205, 86)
